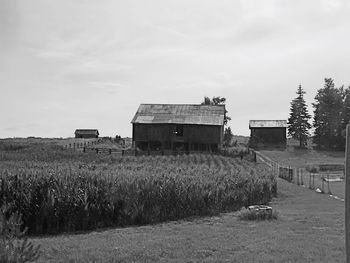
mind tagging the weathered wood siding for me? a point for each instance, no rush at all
(268, 136)
(202, 134)
(86, 136)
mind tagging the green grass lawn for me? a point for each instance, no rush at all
(302, 158)
(310, 228)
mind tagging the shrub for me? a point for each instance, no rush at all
(14, 247)
(256, 214)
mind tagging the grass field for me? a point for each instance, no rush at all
(301, 158)
(310, 228)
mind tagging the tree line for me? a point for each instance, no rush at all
(331, 115)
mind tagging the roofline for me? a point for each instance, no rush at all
(185, 104)
(85, 130)
(284, 125)
(200, 107)
(174, 123)
(270, 127)
(267, 120)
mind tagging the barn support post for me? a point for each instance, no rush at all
(347, 194)
(309, 180)
(322, 184)
(302, 177)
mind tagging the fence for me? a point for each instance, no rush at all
(81, 144)
(114, 151)
(298, 176)
(92, 147)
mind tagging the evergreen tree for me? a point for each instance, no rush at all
(298, 121)
(328, 116)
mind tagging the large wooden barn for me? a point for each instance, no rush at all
(268, 133)
(86, 133)
(178, 127)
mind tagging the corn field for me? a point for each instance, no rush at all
(61, 191)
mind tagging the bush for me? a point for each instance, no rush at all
(257, 214)
(312, 168)
(13, 249)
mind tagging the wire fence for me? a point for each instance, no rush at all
(321, 182)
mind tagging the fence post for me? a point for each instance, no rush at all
(302, 175)
(322, 184)
(297, 174)
(309, 180)
(110, 151)
(83, 149)
(329, 190)
(347, 194)
(96, 150)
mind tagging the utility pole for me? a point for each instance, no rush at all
(347, 194)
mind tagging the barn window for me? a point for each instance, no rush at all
(179, 130)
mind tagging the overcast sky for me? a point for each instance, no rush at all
(89, 64)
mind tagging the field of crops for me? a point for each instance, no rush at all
(60, 190)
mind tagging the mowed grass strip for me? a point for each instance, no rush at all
(309, 228)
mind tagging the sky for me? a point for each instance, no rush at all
(89, 64)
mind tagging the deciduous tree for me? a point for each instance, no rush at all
(217, 101)
(227, 136)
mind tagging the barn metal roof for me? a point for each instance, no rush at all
(86, 131)
(180, 114)
(268, 124)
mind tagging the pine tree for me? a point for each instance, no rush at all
(328, 116)
(298, 121)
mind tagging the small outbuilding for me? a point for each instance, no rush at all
(178, 127)
(268, 133)
(86, 133)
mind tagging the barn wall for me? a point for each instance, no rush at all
(86, 136)
(268, 136)
(166, 134)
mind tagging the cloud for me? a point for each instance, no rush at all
(109, 87)
(55, 55)
(9, 23)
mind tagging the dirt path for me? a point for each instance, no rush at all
(310, 228)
